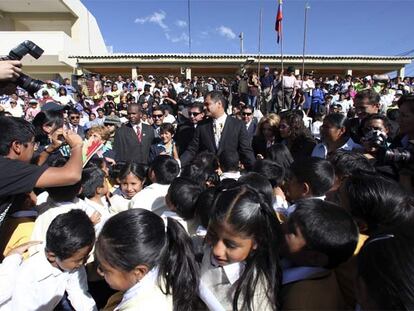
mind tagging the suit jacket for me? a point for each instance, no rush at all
(184, 136)
(234, 138)
(127, 147)
(80, 131)
(251, 130)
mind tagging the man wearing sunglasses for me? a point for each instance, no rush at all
(185, 131)
(157, 120)
(249, 120)
(73, 125)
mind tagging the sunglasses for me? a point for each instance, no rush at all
(247, 113)
(157, 116)
(194, 114)
(74, 118)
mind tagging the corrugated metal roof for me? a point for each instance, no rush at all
(240, 56)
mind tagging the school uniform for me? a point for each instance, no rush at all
(8, 271)
(48, 212)
(189, 225)
(151, 198)
(118, 202)
(321, 150)
(101, 209)
(143, 296)
(310, 288)
(218, 285)
(40, 286)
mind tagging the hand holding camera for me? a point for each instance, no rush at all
(10, 70)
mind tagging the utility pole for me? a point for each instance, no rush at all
(305, 28)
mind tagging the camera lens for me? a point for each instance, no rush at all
(29, 84)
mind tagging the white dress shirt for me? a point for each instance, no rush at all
(40, 286)
(8, 271)
(151, 198)
(218, 126)
(321, 150)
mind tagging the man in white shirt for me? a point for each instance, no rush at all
(162, 172)
(286, 89)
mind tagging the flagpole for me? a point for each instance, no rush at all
(304, 39)
(260, 41)
(281, 60)
(189, 26)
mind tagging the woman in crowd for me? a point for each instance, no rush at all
(267, 134)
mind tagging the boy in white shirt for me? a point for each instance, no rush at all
(43, 279)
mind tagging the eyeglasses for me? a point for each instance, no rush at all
(157, 116)
(247, 113)
(75, 117)
(194, 114)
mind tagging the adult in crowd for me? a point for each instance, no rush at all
(334, 135)
(295, 135)
(266, 82)
(249, 120)
(220, 133)
(267, 134)
(73, 124)
(186, 130)
(133, 140)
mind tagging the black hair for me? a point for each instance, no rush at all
(49, 117)
(393, 114)
(272, 171)
(202, 169)
(347, 163)
(280, 154)
(92, 179)
(373, 97)
(138, 170)
(376, 116)
(139, 237)
(183, 194)
(64, 89)
(247, 213)
(165, 169)
(217, 96)
(68, 233)
(198, 106)
(338, 120)
(63, 193)
(260, 183)
(73, 111)
(248, 107)
(167, 127)
(381, 203)
(386, 266)
(229, 161)
(204, 205)
(318, 173)
(14, 129)
(327, 228)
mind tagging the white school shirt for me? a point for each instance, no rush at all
(230, 175)
(8, 271)
(118, 202)
(101, 209)
(40, 286)
(321, 150)
(189, 225)
(151, 198)
(47, 213)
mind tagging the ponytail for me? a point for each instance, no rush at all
(178, 267)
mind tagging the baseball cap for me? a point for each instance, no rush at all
(113, 120)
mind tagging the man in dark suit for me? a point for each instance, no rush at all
(133, 140)
(220, 133)
(73, 125)
(185, 131)
(249, 120)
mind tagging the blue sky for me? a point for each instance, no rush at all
(363, 27)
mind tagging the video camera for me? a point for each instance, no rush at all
(24, 81)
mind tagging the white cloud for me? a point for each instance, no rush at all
(181, 23)
(226, 32)
(176, 39)
(155, 18)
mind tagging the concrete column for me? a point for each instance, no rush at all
(348, 72)
(134, 73)
(401, 72)
(188, 73)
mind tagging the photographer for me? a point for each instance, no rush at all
(10, 70)
(17, 145)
